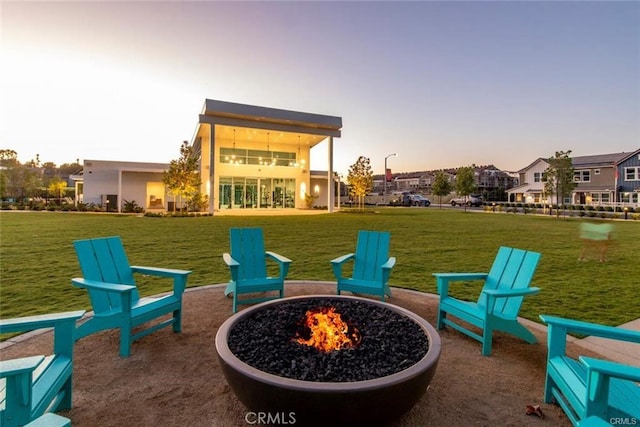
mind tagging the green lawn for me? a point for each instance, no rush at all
(37, 260)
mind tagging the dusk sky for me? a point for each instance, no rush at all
(442, 84)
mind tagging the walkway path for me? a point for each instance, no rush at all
(618, 351)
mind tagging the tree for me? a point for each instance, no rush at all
(360, 179)
(57, 186)
(558, 177)
(16, 180)
(183, 179)
(8, 157)
(441, 186)
(465, 182)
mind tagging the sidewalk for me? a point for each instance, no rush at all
(618, 351)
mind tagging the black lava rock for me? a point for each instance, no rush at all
(390, 342)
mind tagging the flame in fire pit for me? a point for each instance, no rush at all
(327, 331)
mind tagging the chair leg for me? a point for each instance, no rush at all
(548, 387)
(65, 403)
(487, 338)
(125, 340)
(440, 321)
(522, 332)
(177, 320)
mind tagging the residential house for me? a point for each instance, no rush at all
(603, 179)
(493, 183)
(595, 179)
(628, 179)
(531, 188)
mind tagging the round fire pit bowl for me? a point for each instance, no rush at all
(376, 401)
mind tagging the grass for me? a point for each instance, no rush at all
(37, 260)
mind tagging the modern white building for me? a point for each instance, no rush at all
(249, 158)
(110, 184)
(258, 158)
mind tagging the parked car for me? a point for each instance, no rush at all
(410, 199)
(471, 200)
(418, 200)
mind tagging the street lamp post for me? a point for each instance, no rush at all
(385, 177)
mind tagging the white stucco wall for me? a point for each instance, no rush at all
(129, 181)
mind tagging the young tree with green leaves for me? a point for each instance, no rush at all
(441, 186)
(183, 179)
(465, 183)
(558, 178)
(360, 179)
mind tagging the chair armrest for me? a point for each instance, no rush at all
(443, 279)
(101, 286)
(586, 328)
(49, 419)
(342, 259)
(282, 261)
(506, 293)
(386, 269)
(612, 369)
(390, 263)
(460, 276)
(160, 272)
(14, 367)
(233, 266)
(336, 264)
(599, 374)
(179, 276)
(228, 259)
(277, 257)
(30, 323)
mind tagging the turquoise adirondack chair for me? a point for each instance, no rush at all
(371, 265)
(115, 299)
(590, 391)
(247, 263)
(498, 305)
(31, 387)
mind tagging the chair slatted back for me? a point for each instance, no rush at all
(372, 250)
(104, 259)
(247, 247)
(512, 269)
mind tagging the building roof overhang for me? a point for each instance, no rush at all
(263, 124)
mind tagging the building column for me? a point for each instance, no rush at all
(119, 195)
(330, 180)
(212, 162)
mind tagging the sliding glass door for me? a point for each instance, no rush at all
(251, 193)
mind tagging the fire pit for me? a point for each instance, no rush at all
(324, 359)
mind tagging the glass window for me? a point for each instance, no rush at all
(632, 173)
(257, 157)
(248, 193)
(582, 176)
